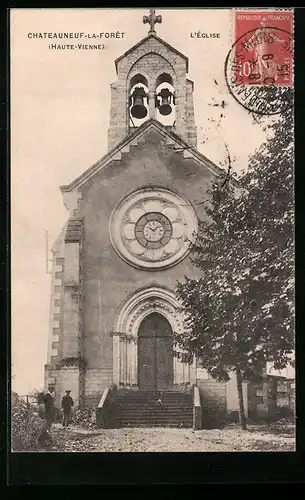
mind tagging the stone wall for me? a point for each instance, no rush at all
(190, 115)
(52, 377)
(221, 398)
(51, 372)
(72, 340)
(270, 398)
(72, 378)
(57, 308)
(56, 303)
(152, 64)
(63, 378)
(213, 397)
(232, 396)
(96, 380)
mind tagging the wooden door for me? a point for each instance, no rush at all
(165, 369)
(147, 363)
(155, 353)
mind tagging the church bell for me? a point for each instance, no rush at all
(165, 107)
(138, 109)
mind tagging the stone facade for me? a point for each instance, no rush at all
(90, 304)
(151, 58)
(56, 302)
(98, 299)
(96, 380)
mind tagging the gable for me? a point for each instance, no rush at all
(151, 43)
(137, 139)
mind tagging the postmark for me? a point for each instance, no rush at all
(259, 66)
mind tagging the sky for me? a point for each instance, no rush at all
(60, 105)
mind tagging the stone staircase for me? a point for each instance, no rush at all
(152, 409)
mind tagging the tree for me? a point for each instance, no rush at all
(239, 312)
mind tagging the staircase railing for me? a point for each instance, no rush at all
(103, 411)
(197, 410)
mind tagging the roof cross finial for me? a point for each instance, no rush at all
(152, 19)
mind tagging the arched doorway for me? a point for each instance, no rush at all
(130, 316)
(155, 353)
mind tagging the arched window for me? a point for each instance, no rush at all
(165, 100)
(138, 101)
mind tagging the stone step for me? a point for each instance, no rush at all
(155, 414)
(163, 408)
(124, 421)
(154, 409)
(184, 425)
(158, 408)
(154, 394)
(175, 397)
(141, 409)
(180, 402)
(151, 406)
(153, 417)
(140, 415)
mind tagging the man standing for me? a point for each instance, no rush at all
(66, 404)
(49, 407)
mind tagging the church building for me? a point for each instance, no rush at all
(132, 217)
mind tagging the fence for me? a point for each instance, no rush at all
(29, 399)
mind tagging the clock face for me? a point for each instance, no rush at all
(153, 228)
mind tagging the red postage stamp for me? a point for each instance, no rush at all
(264, 47)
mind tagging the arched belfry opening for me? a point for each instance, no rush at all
(138, 103)
(152, 84)
(155, 353)
(165, 100)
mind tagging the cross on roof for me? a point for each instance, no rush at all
(152, 19)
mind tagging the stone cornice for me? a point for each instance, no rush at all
(71, 199)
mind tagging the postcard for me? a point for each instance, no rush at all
(152, 223)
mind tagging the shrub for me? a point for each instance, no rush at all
(26, 426)
(85, 417)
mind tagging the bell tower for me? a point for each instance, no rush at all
(152, 84)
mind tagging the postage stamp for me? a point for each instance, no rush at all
(264, 46)
(259, 66)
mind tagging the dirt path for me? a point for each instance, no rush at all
(78, 439)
